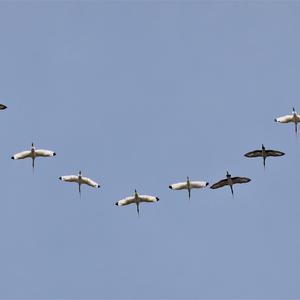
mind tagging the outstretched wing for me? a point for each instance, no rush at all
(69, 178)
(256, 153)
(22, 155)
(219, 184)
(274, 153)
(2, 106)
(44, 153)
(178, 186)
(198, 184)
(126, 201)
(240, 180)
(284, 119)
(146, 198)
(90, 182)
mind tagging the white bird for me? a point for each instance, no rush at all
(2, 106)
(293, 118)
(264, 154)
(80, 180)
(188, 185)
(137, 199)
(230, 181)
(33, 153)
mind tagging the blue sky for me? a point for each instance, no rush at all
(139, 95)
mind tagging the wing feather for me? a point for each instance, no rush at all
(147, 198)
(240, 180)
(90, 182)
(219, 184)
(274, 153)
(69, 178)
(198, 184)
(256, 153)
(284, 119)
(2, 106)
(126, 201)
(22, 155)
(178, 186)
(44, 153)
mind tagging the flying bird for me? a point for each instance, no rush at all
(2, 106)
(189, 185)
(33, 153)
(264, 154)
(293, 118)
(230, 181)
(80, 180)
(137, 199)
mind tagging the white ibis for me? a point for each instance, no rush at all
(293, 118)
(80, 180)
(33, 153)
(189, 185)
(137, 199)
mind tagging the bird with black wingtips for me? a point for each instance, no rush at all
(137, 199)
(230, 181)
(33, 153)
(80, 180)
(293, 118)
(264, 153)
(188, 185)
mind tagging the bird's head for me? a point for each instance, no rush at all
(263, 147)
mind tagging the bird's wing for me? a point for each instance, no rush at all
(284, 119)
(178, 186)
(219, 184)
(198, 184)
(69, 178)
(2, 106)
(146, 198)
(90, 182)
(126, 201)
(44, 153)
(240, 180)
(256, 153)
(274, 153)
(22, 155)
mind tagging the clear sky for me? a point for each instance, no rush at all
(139, 95)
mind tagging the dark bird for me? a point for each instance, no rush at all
(264, 154)
(230, 181)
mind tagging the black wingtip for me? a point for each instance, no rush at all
(207, 183)
(54, 154)
(98, 186)
(275, 120)
(157, 198)
(12, 157)
(117, 203)
(170, 187)
(60, 178)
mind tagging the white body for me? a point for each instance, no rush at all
(188, 185)
(33, 153)
(79, 179)
(293, 118)
(137, 199)
(192, 185)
